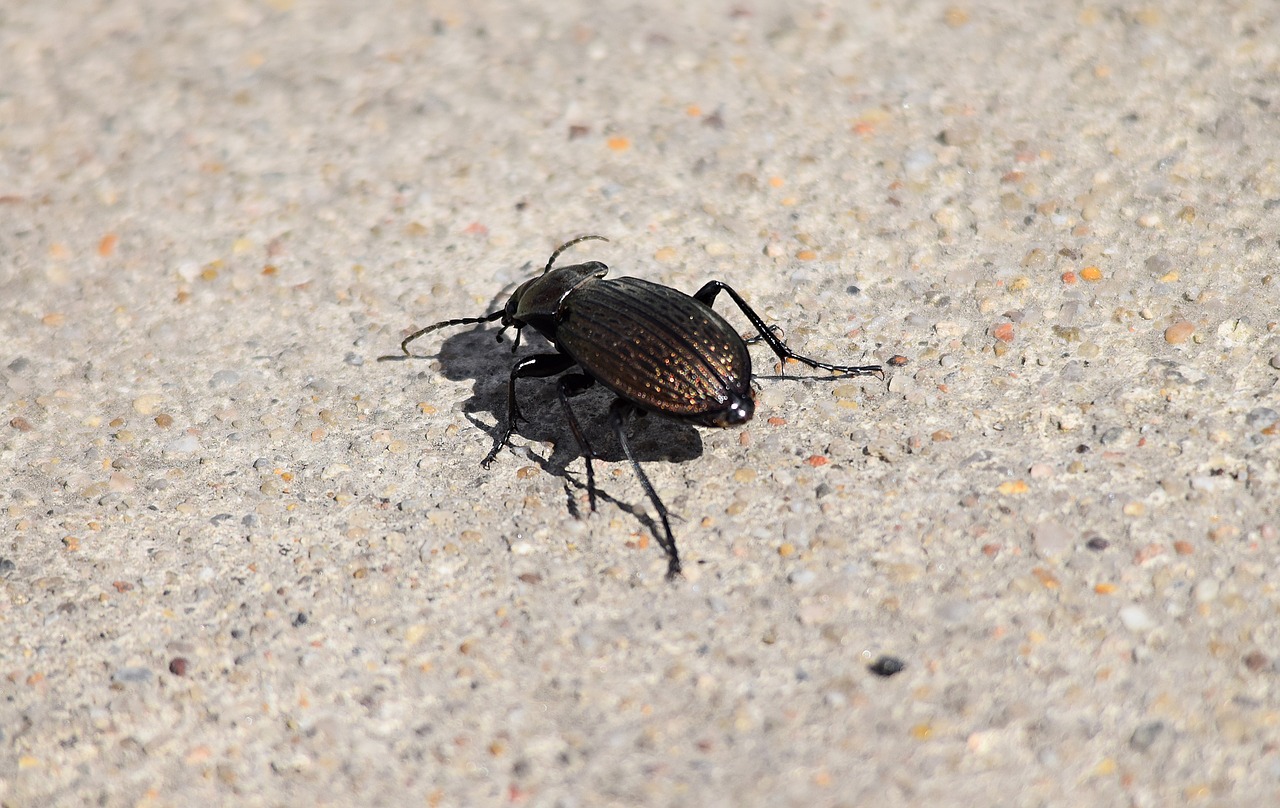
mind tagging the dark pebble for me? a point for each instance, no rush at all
(887, 666)
(1144, 736)
(178, 666)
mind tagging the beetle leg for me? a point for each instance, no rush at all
(774, 327)
(707, 295)
(618, 413)
(539, 366)
(570, 386)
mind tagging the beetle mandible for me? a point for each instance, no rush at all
(658, 350)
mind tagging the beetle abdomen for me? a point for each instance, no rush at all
(658, 348)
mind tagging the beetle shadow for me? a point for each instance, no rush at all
(474, 355)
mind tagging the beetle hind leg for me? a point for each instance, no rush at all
(572, 385)
(707, 295)
(618, 413)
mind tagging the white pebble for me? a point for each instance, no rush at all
(183, 445)
(1136, 619)
(1206, 591)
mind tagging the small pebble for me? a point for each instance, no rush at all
(182, 445)
(131, 675)
(802, 577)
(887, 666)
(1136, 619)
(901, 384)
(1144, 736)
(224, 378)
(1206, 591)
(1051, 539)
(1179, 332)
(334, 470)
(178, 666)
(146, 404)
(1262, 417)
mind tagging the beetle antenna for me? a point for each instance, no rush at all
(552, 260)
(488, 318)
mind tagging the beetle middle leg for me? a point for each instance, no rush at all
(618, 413)
(531, 367)
(707, 295)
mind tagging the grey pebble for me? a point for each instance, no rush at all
(954, 611)
(1050, 539)
(224, 378)
(1158, 264)
(132, 675)
(183, 445)
(1262, 417)
(1144, 736)
(801, 577)
(1113, 435)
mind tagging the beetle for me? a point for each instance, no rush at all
(657, 349)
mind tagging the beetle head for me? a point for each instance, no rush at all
(537, 301)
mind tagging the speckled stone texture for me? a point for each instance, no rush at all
(243, 562)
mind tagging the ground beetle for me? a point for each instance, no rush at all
(658, 350)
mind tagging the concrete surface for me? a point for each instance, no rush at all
(245, 563)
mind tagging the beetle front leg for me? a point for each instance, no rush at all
(530, 367)
(707, 295)
(572, 385)
(618, 413)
